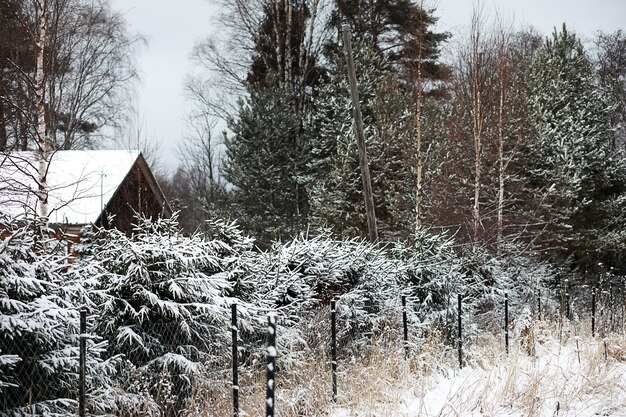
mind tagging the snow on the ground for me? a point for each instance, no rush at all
(552, 382)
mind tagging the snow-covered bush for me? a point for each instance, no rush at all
(487, 278)
(429, 272)
(39, 332)
(299, 278)
(162, 302)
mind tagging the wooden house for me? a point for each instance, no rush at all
(105, 187)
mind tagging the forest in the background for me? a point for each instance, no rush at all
(500, 136)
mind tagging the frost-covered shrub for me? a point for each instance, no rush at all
(39, 332)
(431, 277)
(162, 302)
(298, 279)
(487, 278)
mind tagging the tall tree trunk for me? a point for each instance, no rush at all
(477, 131)
(43, 146)
(288, 54)
(477, 115)
(279, 43)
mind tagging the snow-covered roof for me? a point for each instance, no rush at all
(80, 183)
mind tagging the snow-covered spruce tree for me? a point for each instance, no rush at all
(39, 333)
(161, 299)
(431, 277)
(433, 270)
(487, 278)
(572, 164)
(264, 161)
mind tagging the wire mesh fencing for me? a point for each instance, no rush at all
(169, 369)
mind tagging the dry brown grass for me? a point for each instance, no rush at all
(537, 377)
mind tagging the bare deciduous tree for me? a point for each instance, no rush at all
(252, 40)
(87, 66)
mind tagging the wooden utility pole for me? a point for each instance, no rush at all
(360, 138)
(501, 165)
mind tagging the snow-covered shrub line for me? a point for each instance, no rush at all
(159, 302)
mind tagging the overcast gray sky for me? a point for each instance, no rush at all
(172, 28)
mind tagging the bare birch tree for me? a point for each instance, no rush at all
(503, 43)
(68, 77)
(477, 61)
(88, 67)
(420, 162)
(43, 143)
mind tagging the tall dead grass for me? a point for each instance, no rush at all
(541, 376)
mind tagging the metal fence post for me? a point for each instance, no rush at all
(611, 309)
(593, 312)
(234, 331)
(567, 301)
(82, 363)
(506, 322)
(271, 365)
(333, 346)
(460, 331)
(405, 326)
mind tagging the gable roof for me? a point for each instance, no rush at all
(80, 183)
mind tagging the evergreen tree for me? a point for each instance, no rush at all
(398, 30)
(161, 301)
(39, 333)
(572, 163)
(265, 161)
(611, 65)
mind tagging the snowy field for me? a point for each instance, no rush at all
(579, 376)
(558, 379)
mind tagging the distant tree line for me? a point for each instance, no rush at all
(509, 138)
(513, 138)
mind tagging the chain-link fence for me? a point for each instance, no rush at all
(168, 370)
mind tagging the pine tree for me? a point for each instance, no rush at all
(611, 66)
(399, 31)
(335, 181)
